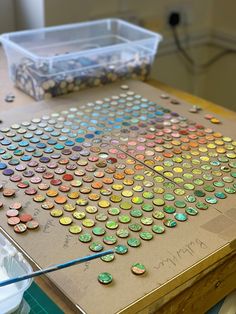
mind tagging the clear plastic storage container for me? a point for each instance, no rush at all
(57, 60)
(12, 264)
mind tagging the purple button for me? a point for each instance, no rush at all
(32, 163)
(28, 173)
(44, 159)
(133, 128)
(7, 172)
(174, 114)
(55, 156)
(66, 151)
(74, 157)
(40, 169)
(20, 167)
(77, 148)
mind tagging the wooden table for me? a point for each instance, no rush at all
(208, 282)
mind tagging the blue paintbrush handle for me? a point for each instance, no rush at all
(55, 267)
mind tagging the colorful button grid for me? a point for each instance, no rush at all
(116, 172)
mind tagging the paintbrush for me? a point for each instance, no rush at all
(55, 268)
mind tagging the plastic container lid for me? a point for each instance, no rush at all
(12, 264)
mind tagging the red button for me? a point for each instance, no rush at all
(67, 177)
(55, 181)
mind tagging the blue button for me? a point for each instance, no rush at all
(26, 158)
(52, 142)
(79, 140)
(2, 165)
(41, 145)
(23, 143)
(69, 143)
(30, 149)
(59, 146)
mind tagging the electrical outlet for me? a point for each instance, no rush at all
(185, 11)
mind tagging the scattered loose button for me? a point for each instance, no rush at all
(138, 269)
(105, 278)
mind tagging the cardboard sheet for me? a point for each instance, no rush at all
(167, 258)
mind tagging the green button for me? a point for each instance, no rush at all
(189, 186)
(111, 224)
(124, 219)
(101, 217)
(85, 237)
(190, 198)
(99, 231)
(180, 204)
(220, 195)
(232, 164)
(135, 227)
(207, 176)
(188, 176)
(134, 242)
(169, 197)
(223, 159)
(158, 201)
(158, 214)
(211, 200)
(209, 188)
(168, 222)
(201, 205)
(114, 211)
(138, 188)
(180, 216)
(121, 249)
(158, 229)
(147, 221)
(96, 246)
(138, 177)
(122, 233)
(146, 235)
(198, 181)
(191, 211)
(230, 190)
(138, 269)
(228, 179)
(169, 209)
(137, 200)
(105, 278)
(136, 213)
(179, 191)
(199, 193)
(108, 258)
(206, 167)
(169, 185)
(219, 184)
(148, 195)
(110, 239)
(147, 207)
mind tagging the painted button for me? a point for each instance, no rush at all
(180, 216)
(158, 229)
(105, 278)
(168, 222)
(138, 269)
(121, 249)
(134, 242)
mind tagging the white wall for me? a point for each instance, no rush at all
(224, 18)
(66, 11)
(7, 16)
(29, 14)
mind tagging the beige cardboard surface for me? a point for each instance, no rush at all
(166, 258)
